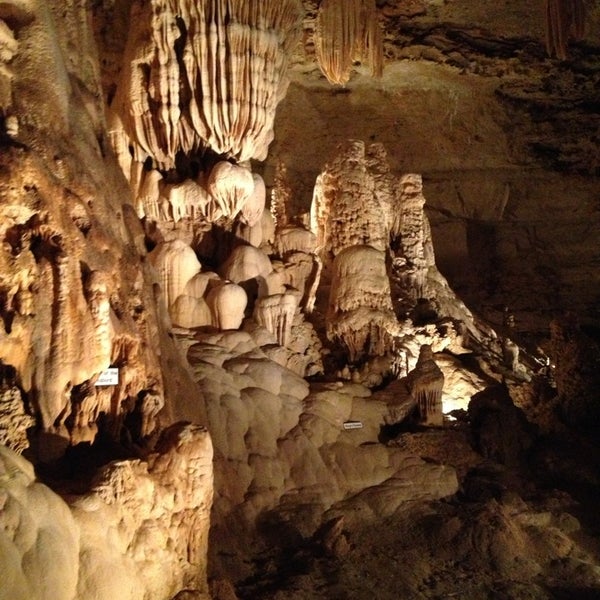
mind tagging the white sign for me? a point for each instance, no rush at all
(108, 377)
(353, 425)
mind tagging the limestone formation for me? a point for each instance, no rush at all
(39, 538)
(230, 186)
(360, 314)
(141, 532)
(348, 31)
(276, 313)
(8, 48)
(176, 265)
(247, 263)
(411, 238)
(295, 239)
(227, 302)
(207, 75)
(14, 419)
(186, 200)
(426, 382)
(148, 198)
(345, 210)
(254, 206)
(96, 274)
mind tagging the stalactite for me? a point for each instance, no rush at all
(564, 18)
(276, 313)
(348, 30)
(204, 75)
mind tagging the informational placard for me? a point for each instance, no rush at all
(353, 425)
(108, 377)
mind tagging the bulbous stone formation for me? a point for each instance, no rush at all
(360, 314)
(227, 302)
(230, 186)
(203, 75)
(247, 263)
(425, 383)
(141, 532)
(253, 208)
(176, 264)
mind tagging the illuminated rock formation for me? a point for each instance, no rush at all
(176, 265)
(230, 186)
(140, 532)
(8, 48)
(276, 313)
(247, 263)
(360, 314)
(205, 75)
(345, 210)
(40, 546)
(14, 421)
(426, 382)
(295, 239)
(227, 302)
(411, 238)
(253, 207)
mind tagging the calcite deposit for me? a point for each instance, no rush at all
(298, 299)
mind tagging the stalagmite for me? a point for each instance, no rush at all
(281, 196)
(411, 237)
(345, 210)
(348, 30)
(97, 296)
(204, 75)
(227, 302)
(425, 383)
(188, 311)
(360, 314)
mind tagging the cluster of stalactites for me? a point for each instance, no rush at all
(203, 75)
(564, 19)
(347, 31)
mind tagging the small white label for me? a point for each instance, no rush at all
(353, 425)
(108, 377)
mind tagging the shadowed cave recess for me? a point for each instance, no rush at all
(300, 299)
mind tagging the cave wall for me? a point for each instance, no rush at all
(77, 292)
